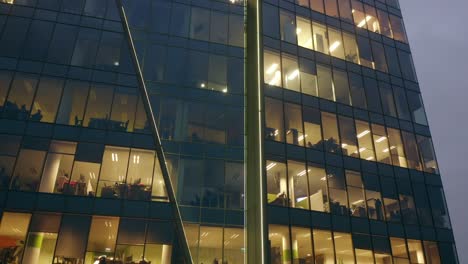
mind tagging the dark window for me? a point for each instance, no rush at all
(270, 21)
(160, 16)
(62, 43)
(86, 47)
(180, 18)
(14, 34)
(37, 43)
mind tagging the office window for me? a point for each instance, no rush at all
(58, 166)
(37, 42)
(382, 252)
(193, 235)
(86, 47)
(318, 188)
(365, 52)
(62, 43)
(213, 184)
(304, 33)
(14, 34)
(417, 108)
(138, 13)
(407, 66)
(398, 29)
(384, 22)
(357, 200)
(271, 21)
(200, 24)
(235, 75)
(113, 173)
(320, 37)
(350, 47)
(380, 138)
(272, 68)
(154, 62)
(123, 109)
(416, 252)
(396, 148)
(74, 231)
(297, 177)
(5, 80)
(304, 3)
(161, 11)
(401, 103)
(141, 120)
(390, 200)
(291, 74)
(130, 240)
(439, 207)
(408, 209)
(8, 153)
(293, 124)
(197, 72)
(158, 244)
(180, 20)
(331, 8)
(337, 191)
(431, 251)
(102, 237)
(358, 14)
(280, 244)
(302, 238)
(373, 95)
(195, 114)
(348, 136)
(388, 104)
(336, 43)
(277, 186)
(308, 73)
(210, 244)
(375, 208)
(219, 27)
(392, 61)
(13, 230)
(21, 95)
(341, 86)
(42, 235)
(346, 12)
(73, 103)
(95, 8)
(399, 250)
(233, 245)
(274, 126)
(356, 87)
(27, 174)
(312, 127)
(371, 19)
(411, 150)
(235, 125)
(323, 246)
(427, 154)
(366, 148)
(190, 172)
(331, 137)
(217, 73)
(344, 248)
(422, 204)
(84, 179)
(317, 5)
(288, 27)
(73, 7)
(140, 175)
(379, 56)
(98, 107)
(236, 30)
(47, 99)
(325, 82)
(234, 185)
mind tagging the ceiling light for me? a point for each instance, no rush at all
(271, 165)
(293, 75)
(344, 145)
(380, 139)
(272, 68)
(298, 200)
(363, 133)
(302, 173)
(298, 31)
(370, 158)
(225, 90)
(362, 149)
(357, 202)
(363, 22)
(202, 85)
(300, 138)
(276, 79)
(335, 45)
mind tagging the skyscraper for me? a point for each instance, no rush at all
(214, 131)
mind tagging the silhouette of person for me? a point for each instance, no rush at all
(37, 116)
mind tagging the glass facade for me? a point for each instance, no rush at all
(345, 162)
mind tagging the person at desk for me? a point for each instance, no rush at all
(281, 199)
(37, 116)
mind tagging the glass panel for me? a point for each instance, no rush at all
(358, 94)
(384, 22)
(417, 108)
(366, 148)
(427, 153)
(233, 245)
(439, 207)
(325, 83)
(98, 107)
(388, 104)
(217, 73)
(288, 27)
(408, 210)
(73, 103)
(411, 150)
(86, 47)
(21, 95)
(113, 173)
(399, 251)
(357, 202)
(200, 24)
(84, 179)
(336, 43)
(396, 148)
(158, 191)
(320, 38)
(431, 251)
(304, 33)
(42, 238)
(272, 68)
(58, 166)
(372, 95)
(398, 29)
(401, 103)
(280, 248)
(180, 20)
(277, 186)
(379, 136)
(234, 185)
(364, 256)
(297, 176)
(301, 245)
(5, 80)
(346, 13)
(28, 170)
(341, 86)
(379, 56)
(337, 191)
(6, 171)
(416, 252)
(140, 175)
(211, 244)
(392, 61)
(312, 127)
(350, 47)
(47, 99)
(371, 19)
(270, 21)
(291, 77)
(365, 52)
(331, 138)
(13, 230)
(192, 234)
(74, 231)
(108, 56)
(274, 127)
(318, 188)
(348, 137)
(293, 124)
(331, 8)
(407, 66)
(122, 117)
(102, 238)
(358, 14)
(323, 247)
(308, 73)
(219, 27)
(236, 30)
(344, 248)
(317, 5)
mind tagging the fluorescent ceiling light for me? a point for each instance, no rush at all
(271, 165)
(380, 139)
(362, 149)
(293, 75)
(363, 22)
(298, 200)
(335, 45)
(272, 68)
(275, 79)
(300, 138)
(302, 173)
(298, 30)
(363, 133)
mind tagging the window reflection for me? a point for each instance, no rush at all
(277, 185)
(297, 175)
(274, 120)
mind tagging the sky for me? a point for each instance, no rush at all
(438, 36)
